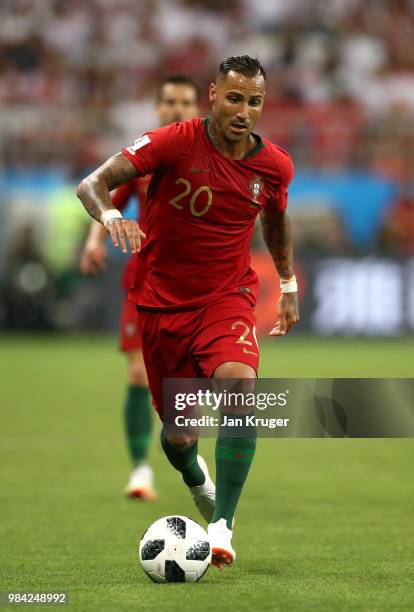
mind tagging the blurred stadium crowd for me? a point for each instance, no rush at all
(77, 82)
(77, 77)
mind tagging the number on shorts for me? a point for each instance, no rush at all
(242, 339)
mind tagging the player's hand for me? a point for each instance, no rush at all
(125, 233)
(93, 258)
(288, 314)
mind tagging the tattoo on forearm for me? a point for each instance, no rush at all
(94, 190)
(278, 238)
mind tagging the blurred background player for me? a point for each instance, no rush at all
(177, 100)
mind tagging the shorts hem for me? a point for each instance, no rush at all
(212, 370)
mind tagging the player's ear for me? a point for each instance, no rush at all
(212, 92)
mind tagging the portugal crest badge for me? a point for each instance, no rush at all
(256, 185)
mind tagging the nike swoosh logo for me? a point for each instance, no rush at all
(196, 170)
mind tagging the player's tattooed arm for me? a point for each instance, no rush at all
(94, 193)
(94, 190)
(277, 234)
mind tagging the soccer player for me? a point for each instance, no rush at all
(196, 291)
(177, 100)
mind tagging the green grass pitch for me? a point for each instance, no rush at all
(322, 524)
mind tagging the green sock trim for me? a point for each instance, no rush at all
(234, 457)
(138, 422)
(185, 461)
(236, 454)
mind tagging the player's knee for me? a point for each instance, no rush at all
(234, 369)
(180, 443)
(138, 377)
(137, 374)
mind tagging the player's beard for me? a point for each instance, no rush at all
(237, 131)
(235, 137)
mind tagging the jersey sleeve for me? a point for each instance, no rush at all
(159, 147)
(286, 173)
(121, 195)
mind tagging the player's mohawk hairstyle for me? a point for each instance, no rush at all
(249, 66)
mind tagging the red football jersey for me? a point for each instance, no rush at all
(201, 210)
(136, 187)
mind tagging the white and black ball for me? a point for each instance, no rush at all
(175, 549)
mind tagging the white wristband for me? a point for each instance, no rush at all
(109, 215)
(288, 285)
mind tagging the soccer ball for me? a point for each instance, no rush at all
(175, 549)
